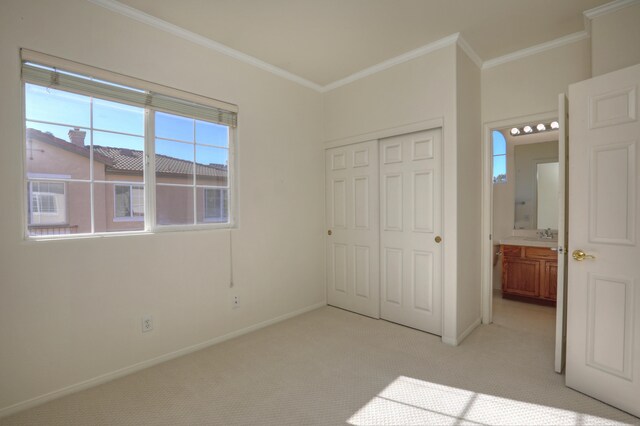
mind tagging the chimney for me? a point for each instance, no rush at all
(76, 136)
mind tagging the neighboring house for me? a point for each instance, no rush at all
(63, 206)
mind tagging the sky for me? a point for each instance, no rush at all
(499, 153)
(174, 134)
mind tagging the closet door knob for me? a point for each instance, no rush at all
(437, 239)
(329, 232)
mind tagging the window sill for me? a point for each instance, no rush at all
(162, 229)
(128, 219)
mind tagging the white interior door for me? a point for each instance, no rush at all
(603, 313)
(352, 241)
(411, 226)
(561, 287)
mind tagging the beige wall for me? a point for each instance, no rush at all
(77, 315)
(616, 40)
(469, 192)
(531, 85)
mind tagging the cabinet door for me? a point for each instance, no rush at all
(550, 280)
(521, 277)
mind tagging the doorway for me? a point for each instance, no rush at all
(517, 216)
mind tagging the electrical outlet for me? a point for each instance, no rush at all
(147, 323)
(235, 302)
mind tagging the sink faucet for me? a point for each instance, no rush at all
(545, 233)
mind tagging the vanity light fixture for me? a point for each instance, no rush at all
(531, 128)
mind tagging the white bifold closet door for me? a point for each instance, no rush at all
(410, 232)
(352, 240)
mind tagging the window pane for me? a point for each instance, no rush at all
(115, 140)
(174, 127)
(212, 165)
(174, 162)
(499, 168)
(57, 208)
(174, 205)
(499, 143)
(56, 106)
(47, 153)
(212, 134)
(118, 117)
(213, 205)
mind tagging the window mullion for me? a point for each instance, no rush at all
(149, 171)
(92, 209)
(195, 182)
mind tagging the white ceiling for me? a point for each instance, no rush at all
(327, 40)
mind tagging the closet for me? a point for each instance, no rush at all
(384, 229)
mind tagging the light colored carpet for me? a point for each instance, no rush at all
(330, 366)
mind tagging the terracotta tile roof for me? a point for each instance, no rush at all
(130, 160)
(66, 145)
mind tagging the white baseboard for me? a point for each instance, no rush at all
(107, 377)
(463, 335)
(469, 329)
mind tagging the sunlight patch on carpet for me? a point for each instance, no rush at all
(412, 401)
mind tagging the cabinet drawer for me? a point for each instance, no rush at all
(512, 251)
(540, 253)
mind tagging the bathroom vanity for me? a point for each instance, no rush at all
(529, 270)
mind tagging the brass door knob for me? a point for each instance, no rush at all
(437, 239)
(329, 232)
(579, 255)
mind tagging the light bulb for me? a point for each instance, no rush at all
(527, 129)
(515, 131)
(541, 127)
(555, 125)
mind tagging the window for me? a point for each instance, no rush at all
(47, 203)
(129, 202)
(127, 155)
(499, 157)
(215, 209)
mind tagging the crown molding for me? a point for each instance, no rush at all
(130, 12)
(608, 8)
(538, 48)
(160, 24)
(412, 54)
(466, 47)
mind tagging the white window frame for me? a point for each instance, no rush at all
(149, 181)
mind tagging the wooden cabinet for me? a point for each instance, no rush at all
(529, 273)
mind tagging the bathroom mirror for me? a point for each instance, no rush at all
(536, 185)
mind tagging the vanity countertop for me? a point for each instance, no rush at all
(529, 241)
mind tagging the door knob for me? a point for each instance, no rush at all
(329, 232)
(579, 255)
(438, 239)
